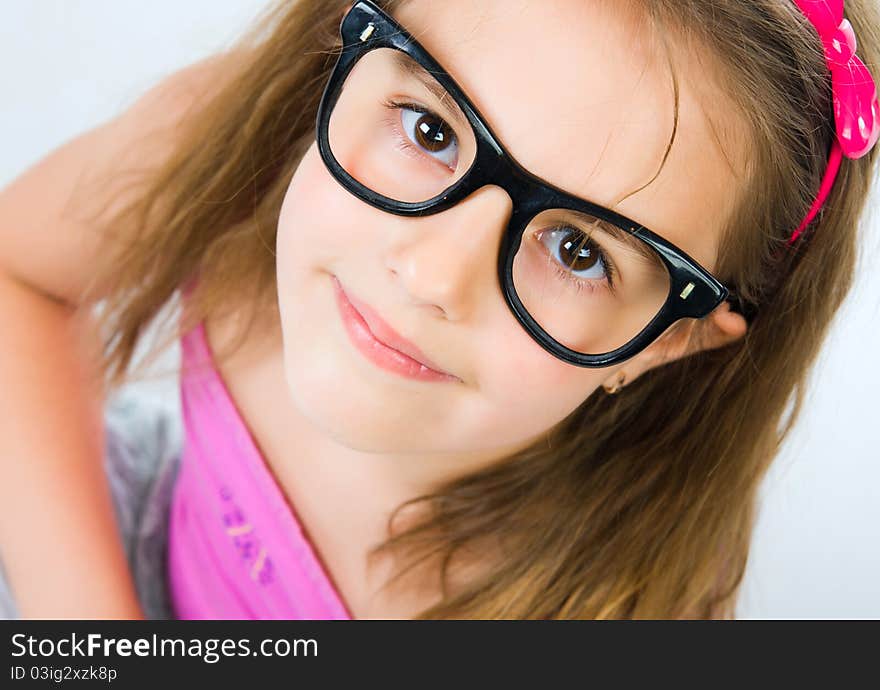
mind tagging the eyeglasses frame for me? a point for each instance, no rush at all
(694, 292)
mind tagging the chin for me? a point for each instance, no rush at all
(345, 407)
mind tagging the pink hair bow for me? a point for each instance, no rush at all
(856, 109)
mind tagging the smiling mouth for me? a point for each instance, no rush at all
(382, 344)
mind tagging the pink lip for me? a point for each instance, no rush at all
(382, 344)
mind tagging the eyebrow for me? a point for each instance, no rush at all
(629, 239)
(409, 67)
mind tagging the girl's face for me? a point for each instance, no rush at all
(582, 96)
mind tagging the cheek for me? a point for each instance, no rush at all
(315, 221)
(308, 244)
(532, 389)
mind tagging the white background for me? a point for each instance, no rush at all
(66, 65)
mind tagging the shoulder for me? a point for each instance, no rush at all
(52, 215)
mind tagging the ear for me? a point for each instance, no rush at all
(683, 338)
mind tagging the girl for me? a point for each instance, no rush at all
(488, 309)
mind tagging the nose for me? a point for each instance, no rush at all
(449, 262)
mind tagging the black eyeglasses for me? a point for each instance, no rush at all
(591, 286)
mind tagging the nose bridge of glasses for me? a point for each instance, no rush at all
(491, 207)
(496, 168)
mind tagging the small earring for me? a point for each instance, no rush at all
(621, 380)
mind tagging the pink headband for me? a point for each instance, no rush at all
(856, 111)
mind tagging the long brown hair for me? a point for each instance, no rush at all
(639, 504)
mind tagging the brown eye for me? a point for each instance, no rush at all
(430, 133)
(577, 253)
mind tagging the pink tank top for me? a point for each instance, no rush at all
(235, 547)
